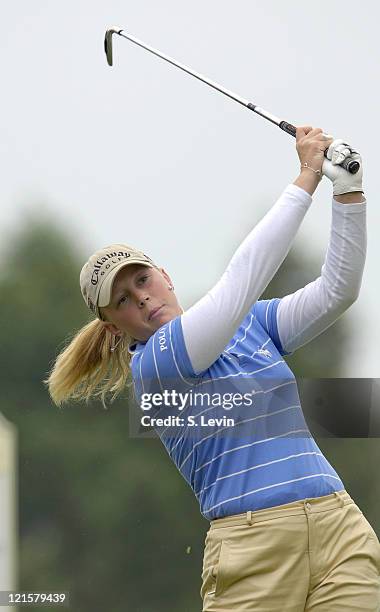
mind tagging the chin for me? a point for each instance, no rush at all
(164, 318)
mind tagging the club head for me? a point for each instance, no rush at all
(108, 43)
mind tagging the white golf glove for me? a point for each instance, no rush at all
(342, 180)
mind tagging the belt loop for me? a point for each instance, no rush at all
(341, 500)
(249, 517)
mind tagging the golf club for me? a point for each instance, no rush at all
(350, 165)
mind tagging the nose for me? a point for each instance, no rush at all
(142, 299)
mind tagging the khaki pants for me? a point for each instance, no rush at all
(319, 554)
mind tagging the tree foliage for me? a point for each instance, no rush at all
(102, 515)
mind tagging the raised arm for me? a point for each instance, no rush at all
(213, 320)
(303, 315)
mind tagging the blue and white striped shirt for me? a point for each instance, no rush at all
(268, 457)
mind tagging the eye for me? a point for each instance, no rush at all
(140, 281)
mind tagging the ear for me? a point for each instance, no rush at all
(112, 328)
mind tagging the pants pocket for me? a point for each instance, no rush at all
(221, 568)
(215, 568)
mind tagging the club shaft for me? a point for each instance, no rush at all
(197, 75)
(350, 166)
(260, 111)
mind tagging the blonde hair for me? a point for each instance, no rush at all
(87, 368)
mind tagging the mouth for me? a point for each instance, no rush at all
(154, 313)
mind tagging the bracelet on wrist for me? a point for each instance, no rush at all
(306, 165)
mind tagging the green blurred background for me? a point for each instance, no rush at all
(102, 515)
(144, 154)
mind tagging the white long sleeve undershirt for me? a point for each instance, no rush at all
(303, 315)
(211, 322)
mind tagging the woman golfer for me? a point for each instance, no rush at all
(284, 534)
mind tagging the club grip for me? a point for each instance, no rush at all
(352, 166)
(288, 128)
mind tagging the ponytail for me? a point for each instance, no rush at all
(87, 368)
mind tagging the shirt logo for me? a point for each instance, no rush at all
(162, 340)
(264, 352)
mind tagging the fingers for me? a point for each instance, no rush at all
(338, 151)
(343, 181)
(311, 132)
(340, 156)
(315, 131)
(326, 141)
(313, 141)
(302, 131)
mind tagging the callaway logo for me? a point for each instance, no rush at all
(111, 258)
(114, 257)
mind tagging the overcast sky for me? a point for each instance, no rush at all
(142, 153)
